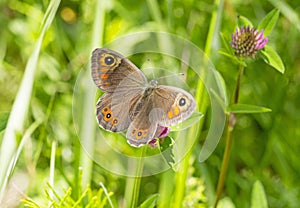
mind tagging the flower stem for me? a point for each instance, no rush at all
(238, 84)
(230, 127)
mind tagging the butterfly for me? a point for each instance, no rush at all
(132, 103)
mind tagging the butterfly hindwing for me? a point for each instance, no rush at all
(142, 128)
(175, 105)
(110, 116)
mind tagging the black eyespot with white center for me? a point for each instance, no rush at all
(182, 102)
(109, 60)
(116, 121)
(139, 133)
(108, 115)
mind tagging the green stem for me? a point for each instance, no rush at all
(230, 127)
(238, 84)
(134, 183)
(137, 184)
(224, 163)
(87, 133)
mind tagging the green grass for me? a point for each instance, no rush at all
(15, 124)
(49, 133)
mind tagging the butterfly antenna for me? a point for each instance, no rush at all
(153, 75)
(152, 69)
(171, 75)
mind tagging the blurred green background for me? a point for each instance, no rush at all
(266, 146)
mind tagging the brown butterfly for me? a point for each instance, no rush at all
(131, 102)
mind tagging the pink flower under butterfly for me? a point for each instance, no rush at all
(161, 132)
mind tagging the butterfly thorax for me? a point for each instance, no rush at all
(151, 87)
(140, 101)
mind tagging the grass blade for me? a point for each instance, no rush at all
(15, 157)
(88, 117)
(52, 171)
(20, 107)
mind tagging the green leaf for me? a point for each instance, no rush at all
(271, 57)
(269, 22)
(258, 198)
(244, 21)
(226, 44)
(194, 118)
(235, 59)
(229, 55)
(167, 147)
(288, 11)
(3, 120)
(225, 53)
(222, 88)
(219, 99)
(150, 202)
(245, 108)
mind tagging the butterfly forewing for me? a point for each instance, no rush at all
(109, 68)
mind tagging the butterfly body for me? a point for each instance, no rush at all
(131, 102)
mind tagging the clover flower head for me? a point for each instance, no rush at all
(247, 41)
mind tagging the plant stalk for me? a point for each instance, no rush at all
(230, 126)
(134, 183)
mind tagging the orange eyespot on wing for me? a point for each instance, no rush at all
(139, 133)
(109, 120)
(182, 101)
(178, 111)
(104, 110)
(107, 60)
(109, 69)
(115, 122)
(107, 114)
(110, 117)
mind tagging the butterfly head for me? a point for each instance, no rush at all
(154, 82)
